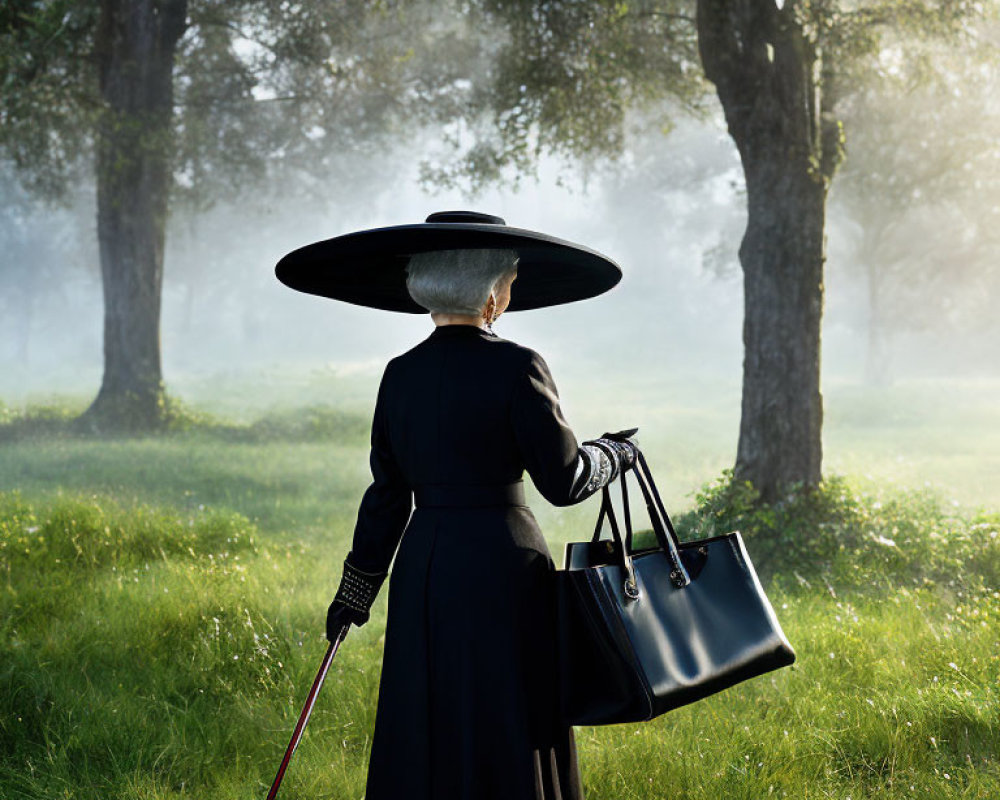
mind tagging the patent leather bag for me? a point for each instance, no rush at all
(644, 631)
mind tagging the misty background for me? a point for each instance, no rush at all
(670, 211)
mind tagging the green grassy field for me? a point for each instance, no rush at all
(163, 604)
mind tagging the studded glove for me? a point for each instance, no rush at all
(353, 601)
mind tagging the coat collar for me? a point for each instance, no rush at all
(461, 330)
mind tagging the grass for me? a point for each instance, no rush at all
(163, 599)
(153, 654)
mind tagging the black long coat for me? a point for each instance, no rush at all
(467, 698)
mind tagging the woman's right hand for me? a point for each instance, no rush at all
(622, 446)
(627, 447)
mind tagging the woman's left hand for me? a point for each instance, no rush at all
(338, 615)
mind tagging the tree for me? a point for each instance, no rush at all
(764, 67)
(176, 102)
(135, 43)
(781, 70)
(567, 77)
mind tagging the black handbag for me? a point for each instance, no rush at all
(642, 632)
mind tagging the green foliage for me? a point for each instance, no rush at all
(571, 78)
(567, 80)
(844, 538)
(47, 102)
(260, 87)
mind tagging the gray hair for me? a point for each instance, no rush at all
(457, 281)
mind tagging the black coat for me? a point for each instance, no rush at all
(467, 698)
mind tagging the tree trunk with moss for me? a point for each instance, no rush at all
(768, 75)
(135, 45)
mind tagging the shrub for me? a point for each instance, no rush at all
(837, 534)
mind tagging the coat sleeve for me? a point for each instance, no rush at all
(387, 502)
(563, 472)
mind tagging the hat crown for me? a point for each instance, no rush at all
(473, 217)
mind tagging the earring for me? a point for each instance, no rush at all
(489, 315)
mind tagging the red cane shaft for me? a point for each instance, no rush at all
(300, 726)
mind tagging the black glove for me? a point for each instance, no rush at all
(621, 436)
(353, 601)
(337, 617)
(619, 448)
(627, 447)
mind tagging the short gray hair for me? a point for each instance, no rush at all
(457, 281)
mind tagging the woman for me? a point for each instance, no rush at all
(467, 705)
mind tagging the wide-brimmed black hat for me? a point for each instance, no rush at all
(367, 268)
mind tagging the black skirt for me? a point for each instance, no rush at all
(467, 706)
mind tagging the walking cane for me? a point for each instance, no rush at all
(300, 726)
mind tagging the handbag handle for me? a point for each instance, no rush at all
(630, 587)
(654, 518)
(666, 537)
(646, 477)
(607, 510)
(657, 514)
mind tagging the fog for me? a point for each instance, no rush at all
(671, 213)
(662, 350)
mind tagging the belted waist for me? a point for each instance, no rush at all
(472, 495)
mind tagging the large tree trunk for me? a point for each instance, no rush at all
(135, 46)
(782, 258)
(768, 77)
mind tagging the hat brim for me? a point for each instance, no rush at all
(368, 268)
